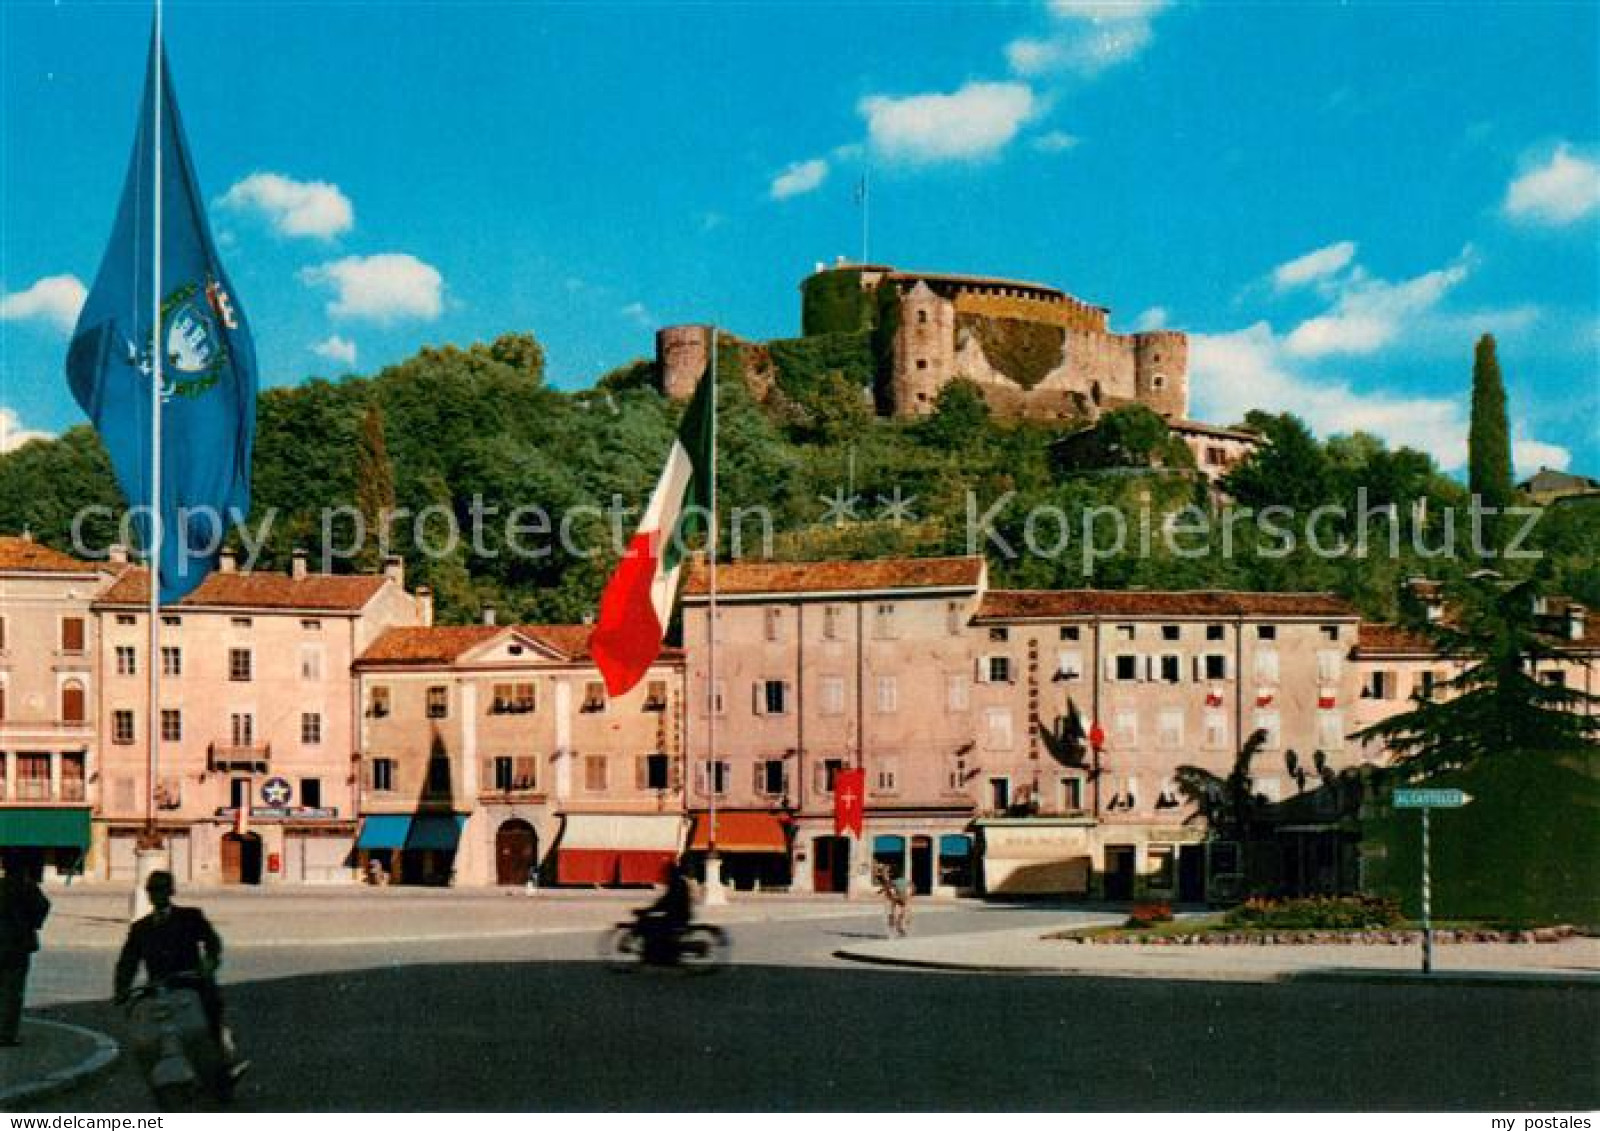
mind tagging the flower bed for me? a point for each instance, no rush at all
(1221, 935)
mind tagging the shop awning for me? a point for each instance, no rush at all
(44, 828)
(954, 844)
(740, 832)
(618, 848)
(888, 844)
(435, 833)
(1036, 858)
(384, 831)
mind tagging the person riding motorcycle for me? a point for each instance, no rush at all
(175, 942)
(667, 917)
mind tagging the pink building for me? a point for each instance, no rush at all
(956, 700)
(256, 771)
(49, 683)
(490, 753)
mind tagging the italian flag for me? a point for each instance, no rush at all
(637, 602)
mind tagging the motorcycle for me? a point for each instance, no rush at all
(699, 948)
(183, 1063)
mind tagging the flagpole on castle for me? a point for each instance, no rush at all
(148, 859)
(714, 895)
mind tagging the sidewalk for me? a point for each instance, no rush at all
(1573, 962)
(52, 1056)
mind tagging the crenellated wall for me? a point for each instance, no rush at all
(1034, 351)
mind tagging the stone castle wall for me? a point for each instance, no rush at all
(1034, 353)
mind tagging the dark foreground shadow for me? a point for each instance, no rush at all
(558, 1036)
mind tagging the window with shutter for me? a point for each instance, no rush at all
(73, 708)
(72, 634)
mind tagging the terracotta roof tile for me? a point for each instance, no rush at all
(318, 592)
(747, 578)
(1375, 637)
(24, 555)
(447, 643)
(1051, 604)
(435, 644)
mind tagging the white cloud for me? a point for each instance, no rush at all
(294, 208)
(1087, 37)
(970, 124)
(1054, 141)
(799, 178)
(1369, 313)
(13, 435)
(638, 312)
(1153, 319)
(1319, 264)
(380, 287)
(340, 350)
(1563, 189)
(1528, 456)
(1253, 368)
(54, 299)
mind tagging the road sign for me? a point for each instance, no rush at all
(1430, 798)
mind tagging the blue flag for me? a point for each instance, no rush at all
(209, 366)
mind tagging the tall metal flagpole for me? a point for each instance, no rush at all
(147, 855)
(158, 347)
(866, 210)
(714, 894)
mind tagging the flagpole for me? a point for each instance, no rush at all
(714, 895)
(156, 377)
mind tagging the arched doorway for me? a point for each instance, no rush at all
(516, 851)
(241, 858)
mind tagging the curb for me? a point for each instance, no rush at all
(1059, 971)
(105, 1054)
(1489, 978)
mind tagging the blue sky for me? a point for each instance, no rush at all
(1333, 199)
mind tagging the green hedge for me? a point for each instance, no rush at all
(1526, 850)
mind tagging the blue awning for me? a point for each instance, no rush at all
(384, 831)
(438, 834)
(955, 845)
(889, 844)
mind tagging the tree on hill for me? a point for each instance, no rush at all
(960, 416)
(1489, 435)
(1498, 705)
(1290, 469)
(374, 484)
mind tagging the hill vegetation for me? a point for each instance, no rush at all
(477, 430)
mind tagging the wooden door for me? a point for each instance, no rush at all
(515, 851)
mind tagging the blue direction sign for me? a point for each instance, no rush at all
(1430, 798)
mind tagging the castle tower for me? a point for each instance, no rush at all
(1161, 371)
(682, 354)
(924, 351)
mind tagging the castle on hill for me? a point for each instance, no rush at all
(1034, 351)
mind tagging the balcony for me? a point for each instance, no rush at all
(238, 759)
(31, 789)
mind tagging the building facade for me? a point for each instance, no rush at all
(50, 666)
(255, 778)
(492, 754)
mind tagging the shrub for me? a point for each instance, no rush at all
(1149, 914)
(1317, 913)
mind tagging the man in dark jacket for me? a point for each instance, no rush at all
(23, 909)
(172, 941)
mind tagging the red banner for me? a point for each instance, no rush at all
(849, 801)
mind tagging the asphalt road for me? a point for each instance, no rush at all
(536, 1024)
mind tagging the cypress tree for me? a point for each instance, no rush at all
(1489, 436)
(374, 484)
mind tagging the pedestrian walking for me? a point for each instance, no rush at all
(897, 899)
(23, 909)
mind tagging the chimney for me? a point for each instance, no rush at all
(297, 567)
(394, 568)
(117, 554)
(1577, 618)
(425, 605)
(228, 561)
(488, 614)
